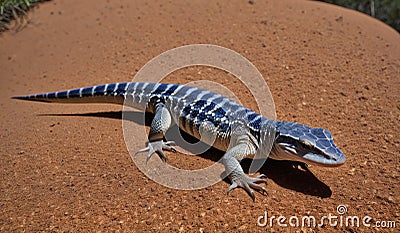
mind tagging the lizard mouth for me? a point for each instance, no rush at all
(322, 160)
(307, 153)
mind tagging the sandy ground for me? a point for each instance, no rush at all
(326, 67)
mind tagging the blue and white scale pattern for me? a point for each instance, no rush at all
(191, 107)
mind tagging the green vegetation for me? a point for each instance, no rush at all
(387, 11)
(15, 10)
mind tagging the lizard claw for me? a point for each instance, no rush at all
(248, 184)
(301, 165)
(157, 147)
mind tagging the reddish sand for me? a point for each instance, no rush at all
(326, 67)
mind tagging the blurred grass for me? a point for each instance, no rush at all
(15, 10)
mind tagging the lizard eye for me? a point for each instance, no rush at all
(307, 143)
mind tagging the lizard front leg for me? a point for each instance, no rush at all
(236, 174)
(160, 124)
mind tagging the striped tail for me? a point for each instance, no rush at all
(107, 93)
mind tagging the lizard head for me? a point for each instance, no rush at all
(298, 142)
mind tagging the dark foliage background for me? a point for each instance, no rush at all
(15, 10)
(387, 11)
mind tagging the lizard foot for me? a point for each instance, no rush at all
(157, 147)
(247, 183)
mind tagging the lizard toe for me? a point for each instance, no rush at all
(169, 146)
(259, 179)
(157, 147)
(248, 184)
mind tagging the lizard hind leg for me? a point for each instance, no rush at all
(160, 124)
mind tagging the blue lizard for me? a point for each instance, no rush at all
(237, 130)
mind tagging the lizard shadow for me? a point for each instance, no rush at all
(290, 175)
(286, 174)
